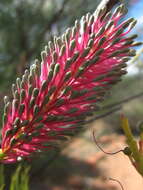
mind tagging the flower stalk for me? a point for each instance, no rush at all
(135, 148)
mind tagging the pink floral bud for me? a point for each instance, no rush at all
(77, 69)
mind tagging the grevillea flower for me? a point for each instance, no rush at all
(55, 96)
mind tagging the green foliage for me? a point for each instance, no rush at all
(25, 179)
(2, 177)
(19, 179)
(2, 187)
(15, 179)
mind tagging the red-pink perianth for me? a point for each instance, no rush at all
(55, 96)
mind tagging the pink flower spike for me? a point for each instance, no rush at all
(77, 69)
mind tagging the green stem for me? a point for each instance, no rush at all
(132, 143)
(130, 139)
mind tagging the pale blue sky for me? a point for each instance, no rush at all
(136, 11)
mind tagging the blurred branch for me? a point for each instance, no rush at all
(126, 100)
(114, 107)
(102, 115)
(54, 19)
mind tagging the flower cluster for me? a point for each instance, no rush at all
(76, 70)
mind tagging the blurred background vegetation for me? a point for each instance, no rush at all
(25, 28)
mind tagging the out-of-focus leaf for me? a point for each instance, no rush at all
(1, 177)
(15, 179)
(20, 179)
(2, 187)
(24, 185)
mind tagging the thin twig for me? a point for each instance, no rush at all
(117, 182)
(97, 144)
